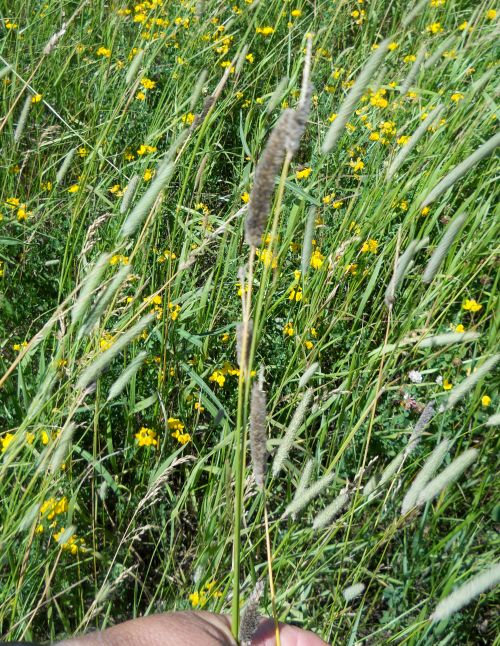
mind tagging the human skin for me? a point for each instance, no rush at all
(189, 629)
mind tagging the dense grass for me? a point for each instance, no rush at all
(153, 525)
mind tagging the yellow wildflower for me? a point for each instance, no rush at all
(5, 440)
(265, 31)
(144, 149)
(148, 84)
(317, 259)
(245, 197)
(457, 96)
(268, 258)
(369, 246)
(146, 437)
(36, 98)
(103, 51)
(304, 173)
(447, 385)
(471, 305)
(288, 329)
(485, 400)
(357, 165)
(459, 328)
(491, 14)
(187, 118)
(434, 28)
(217, 377)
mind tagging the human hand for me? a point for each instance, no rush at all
(190, 629)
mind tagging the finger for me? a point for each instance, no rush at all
(289, 636)
(168, 629)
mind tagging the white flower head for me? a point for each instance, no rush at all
(439, 380)
(415, 376)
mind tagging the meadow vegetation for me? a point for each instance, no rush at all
(273, 221)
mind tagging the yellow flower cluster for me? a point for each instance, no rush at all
(303, 174)
(370, 246)
(175, 425)
(52, 507)
(103, 51)
(146, 437)
(118, 259)
(144, 149)
(199, 598)
(471, 305)
(317, 259)
(166, 255)
(265, 31)
(15, 204)
(73, 544)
